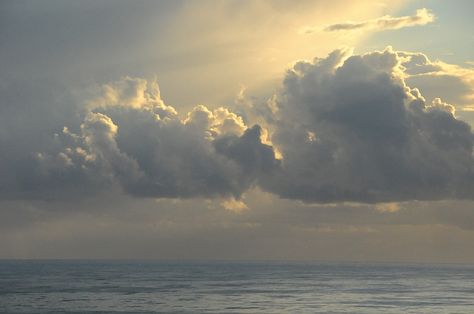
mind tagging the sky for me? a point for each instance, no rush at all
(237, 130)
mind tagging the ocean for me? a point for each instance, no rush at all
(64, 286)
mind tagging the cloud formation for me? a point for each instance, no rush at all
(350, 129)
(341, 128)
(387, 22)
(434, 77)
(129, 139)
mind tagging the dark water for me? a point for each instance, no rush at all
(173, 287)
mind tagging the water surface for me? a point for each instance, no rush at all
(228, 287)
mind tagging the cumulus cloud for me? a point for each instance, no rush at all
(130, 140)
(453, 83)
(345, 128)
(421, 17)
(350, 129)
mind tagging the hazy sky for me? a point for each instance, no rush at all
(270, 130)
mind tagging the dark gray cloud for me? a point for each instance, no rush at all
(350, 129)
(344, 128)
(31, 113)
(127, 138)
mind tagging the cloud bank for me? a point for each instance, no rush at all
(341, 128)
(387, 22)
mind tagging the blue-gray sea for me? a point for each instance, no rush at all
(233, 287)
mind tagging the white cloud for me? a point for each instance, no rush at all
(453, 83)
(387, 22)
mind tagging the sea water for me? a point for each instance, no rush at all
(56, 286)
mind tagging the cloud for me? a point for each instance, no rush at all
(130, 140)
(434, 79)
(350, 129)
(387, 207)
(234, 205)
(387, 22)
(345, 128)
